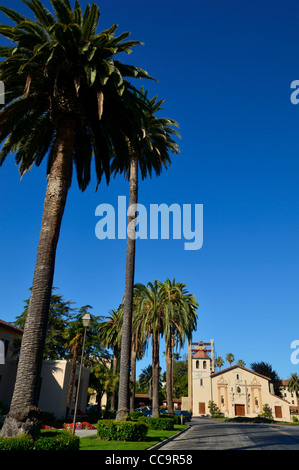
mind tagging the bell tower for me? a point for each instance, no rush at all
(200, 367)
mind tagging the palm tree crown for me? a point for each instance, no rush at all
(60, 68)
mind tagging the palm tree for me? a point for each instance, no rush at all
(74, 337)
(219, 362)
(241, 363)
(145, 379)
(152, 308)
(110, 332)
(74, 340)
(230, 358)
(149, 152)
(179, 323)
(293, 386)
(57, 75)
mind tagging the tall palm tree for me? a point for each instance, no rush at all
(110, 332)
(293, 386)
(148, 151)
(65, 94)
(179, 323)
(152, 308)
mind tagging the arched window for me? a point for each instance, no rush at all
(197, 364)
(204, 365)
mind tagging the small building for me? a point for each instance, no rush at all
(237, 391)
(55, 376)
(290, 397)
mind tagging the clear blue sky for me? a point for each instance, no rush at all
(224, 69)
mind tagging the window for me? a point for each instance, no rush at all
(238, 390)
(6, 343)
(204, 365)
(197, 364)
(237, 376)
(201, 382)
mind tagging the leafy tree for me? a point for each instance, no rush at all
(60, 313)
(180, 378)
(65, 95)
(265, 369)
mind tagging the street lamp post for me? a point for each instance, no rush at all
(86, 320)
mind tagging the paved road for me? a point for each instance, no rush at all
(207, 434)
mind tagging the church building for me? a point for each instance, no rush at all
(237, 391)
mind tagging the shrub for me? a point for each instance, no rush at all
(110, 429)
(56, 441)
(267, 412)
(214, 410)
(165, 424)
(176, 418)
(134, 415)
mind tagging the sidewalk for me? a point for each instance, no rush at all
(85, 432)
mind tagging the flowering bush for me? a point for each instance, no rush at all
(84, 425)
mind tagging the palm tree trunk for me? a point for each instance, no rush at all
(27, 385)
(156, 374)
(72, 378)
(169, 375)
(125, 358)
(133, 378)
(114, 371)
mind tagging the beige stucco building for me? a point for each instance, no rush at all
(55, 376)
(237, 391)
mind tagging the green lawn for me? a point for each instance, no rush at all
(153, 437)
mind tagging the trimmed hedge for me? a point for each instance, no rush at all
(110, 429)
(134, 415)
(176, 418)
(60, 441)
(165, 424)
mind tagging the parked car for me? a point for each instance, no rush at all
(162, 411)
(92, 408)
(145, 410)
(188, 416)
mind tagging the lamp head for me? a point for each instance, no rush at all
(86, 320)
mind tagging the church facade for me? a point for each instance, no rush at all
(237, 391)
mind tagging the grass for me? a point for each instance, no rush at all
(153, 437)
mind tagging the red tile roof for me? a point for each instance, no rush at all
(201, 354)
(11, 327)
